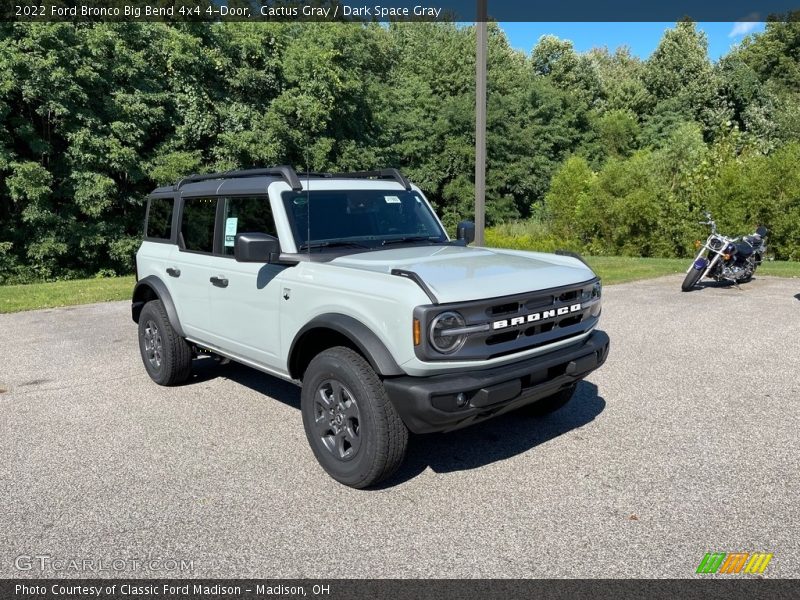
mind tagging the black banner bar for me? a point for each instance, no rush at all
(396, 589)
(392, 10)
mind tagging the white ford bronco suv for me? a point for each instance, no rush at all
(348, 284)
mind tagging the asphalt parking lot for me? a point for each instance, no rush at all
(685, 442)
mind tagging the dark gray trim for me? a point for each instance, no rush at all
(158, 287)
(379, 174)
(418, 280)
(290, 176)
(256, 181)
(359, 334)
(573, 255)
(219, 227)
(285, 172)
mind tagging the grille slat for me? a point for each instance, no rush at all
(503, 309)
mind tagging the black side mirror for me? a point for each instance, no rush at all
(466, 232)
(256, 247)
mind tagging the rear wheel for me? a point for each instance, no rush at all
(353, 429)
(692, 277)
(165, 354)
(548, 405)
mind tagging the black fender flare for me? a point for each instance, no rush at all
(156, 287)
(361, 336)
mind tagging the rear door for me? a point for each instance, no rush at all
(244, 311)
(159, 241)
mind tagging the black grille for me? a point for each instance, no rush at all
(517, 323)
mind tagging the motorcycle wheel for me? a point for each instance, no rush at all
(692, 277)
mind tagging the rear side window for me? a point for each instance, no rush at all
(246, 214)
(159, 219)
(197, 224)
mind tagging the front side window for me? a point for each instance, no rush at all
(197, 224)
(159, 219)
(368, 218)
(245, 214)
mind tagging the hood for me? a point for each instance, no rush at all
(458, 273)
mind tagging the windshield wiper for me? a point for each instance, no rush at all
(412, 238)
(331, 244)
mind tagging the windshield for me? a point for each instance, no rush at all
(360, 218)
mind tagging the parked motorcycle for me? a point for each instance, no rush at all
(732, 259)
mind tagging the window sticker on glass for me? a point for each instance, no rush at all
(392, 200)
(230, 230)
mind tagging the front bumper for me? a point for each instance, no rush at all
(428, 404)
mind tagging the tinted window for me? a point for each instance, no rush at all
(251, 214)
(197, 224)
(371, 217)
(159, 219)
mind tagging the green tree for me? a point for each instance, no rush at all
(680, 78)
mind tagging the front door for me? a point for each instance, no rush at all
(244, 304)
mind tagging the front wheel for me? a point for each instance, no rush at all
(353, 429)
(692, 277)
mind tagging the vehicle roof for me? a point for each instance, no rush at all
(259, 185)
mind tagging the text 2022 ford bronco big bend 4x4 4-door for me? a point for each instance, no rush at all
(349, 284)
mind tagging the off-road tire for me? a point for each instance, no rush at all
(691, 279)
(548, 405)
(169, 362)
(379, 447)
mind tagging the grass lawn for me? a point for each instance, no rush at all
(612, 269)
(14, 298)
(619, 269)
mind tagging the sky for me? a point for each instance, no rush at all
(641, 38)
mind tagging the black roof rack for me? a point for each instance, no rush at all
(283, 171)
(381, 174)
(291, 177)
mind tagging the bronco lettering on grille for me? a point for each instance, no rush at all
(534, 317)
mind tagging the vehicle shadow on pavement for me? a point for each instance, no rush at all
(475, 446)
(205, 369)
(496, 439)
(708, 283)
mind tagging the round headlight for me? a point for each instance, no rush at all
(441, 339)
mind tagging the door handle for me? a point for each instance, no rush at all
(219, 281)
(173, 272)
